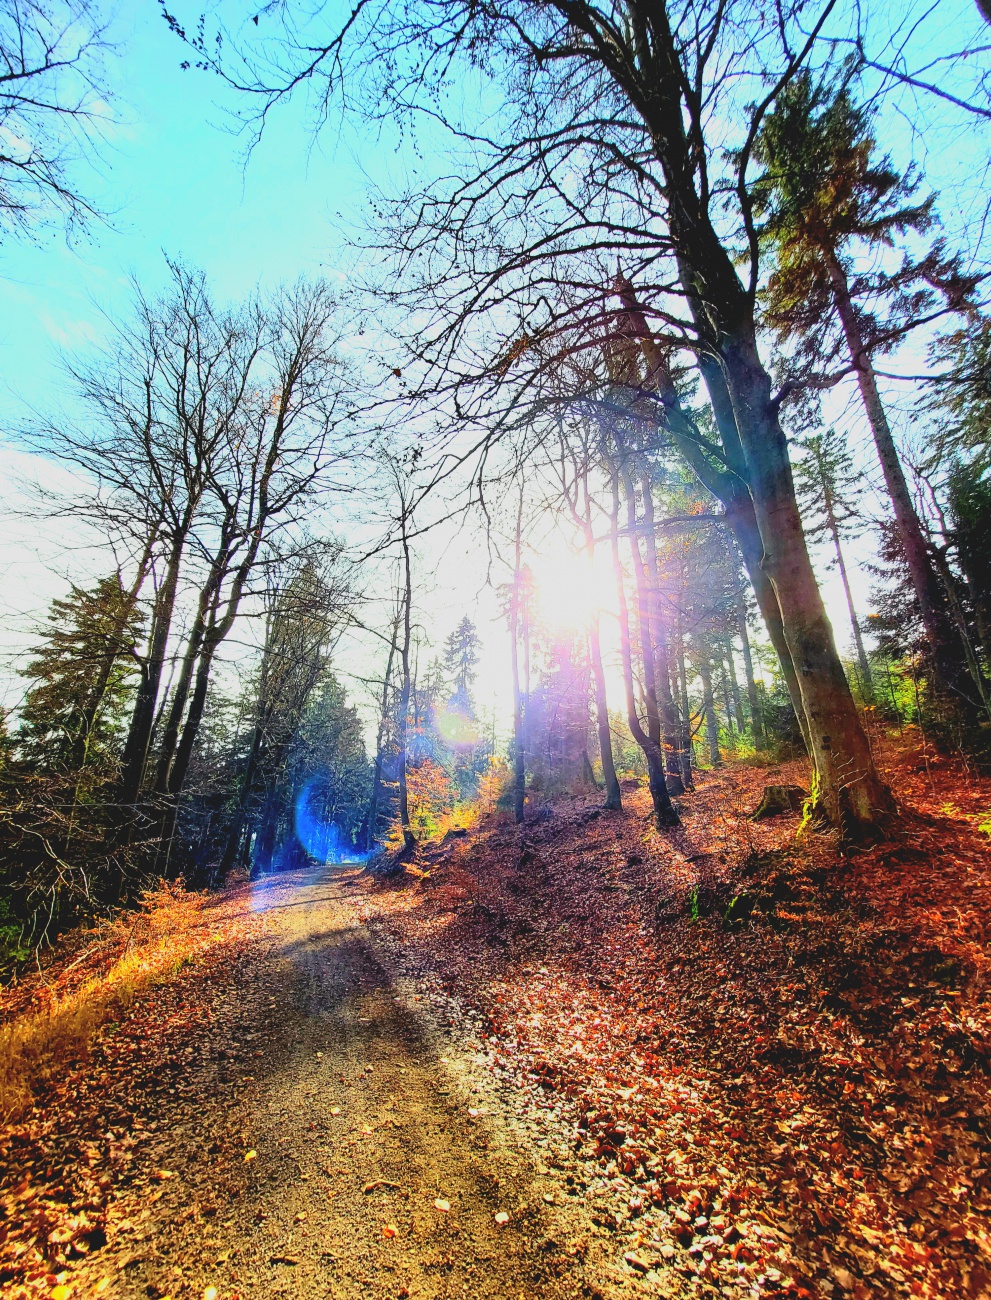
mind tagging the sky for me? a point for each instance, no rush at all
(176, 181)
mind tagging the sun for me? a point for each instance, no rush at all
(570, 590)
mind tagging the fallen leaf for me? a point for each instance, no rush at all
(389, 1230)
(61, 1292)
(249, 1156)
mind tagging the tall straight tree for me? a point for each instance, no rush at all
(825, 195)
(828, 491)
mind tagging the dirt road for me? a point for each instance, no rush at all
(325, 1146)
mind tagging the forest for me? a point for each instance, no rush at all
(495, 730)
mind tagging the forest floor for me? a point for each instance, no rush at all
(578, 1059)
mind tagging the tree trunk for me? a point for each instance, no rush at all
(206, 608)
(519, 754)
(372, 816)
(949, 659)
(670, 718)
(709, 710)
(409, 839)
(687, 747)
(645, 605)
(866, 682)
(753, 696)
(734, 687)
(614, 797)
(847, 787)
(135, 756)
(729, 486)
(664, 813)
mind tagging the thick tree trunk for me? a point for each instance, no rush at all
(847, 787)
(664, 813)
(206, 607)
(949, 657)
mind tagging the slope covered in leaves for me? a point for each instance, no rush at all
(771, 1061)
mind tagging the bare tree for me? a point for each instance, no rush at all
(53, 108)
(214, 430)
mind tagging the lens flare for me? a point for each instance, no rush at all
(456, 727)
(322, 840)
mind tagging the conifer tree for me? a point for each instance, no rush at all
(83, 677)
(824, 196)
(461, 661)
(828, 492)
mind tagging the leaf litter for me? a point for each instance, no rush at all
(763, 1065)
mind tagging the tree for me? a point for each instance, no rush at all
(212, 430)
(964, 391)
(304, 606)
(519, 614)
(56, 861)
(461, 661)
(822, 196)
(53, 108)
(275, 451)
(969, 502)
(83, 675)
(621, 99)
(828, 490)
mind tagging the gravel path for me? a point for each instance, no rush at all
(332, 1149)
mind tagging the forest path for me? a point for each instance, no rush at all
(358, 1127)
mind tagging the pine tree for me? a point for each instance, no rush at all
(825, 196)
(828, 492)
(461, 661)
(83, 678)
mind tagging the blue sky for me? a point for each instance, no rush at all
(176, 181)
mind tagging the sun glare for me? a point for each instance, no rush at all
(570, 590)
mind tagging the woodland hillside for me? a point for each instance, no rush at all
(495, 702)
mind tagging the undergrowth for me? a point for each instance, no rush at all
(135, 950)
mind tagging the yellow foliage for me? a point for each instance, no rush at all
(147, 946)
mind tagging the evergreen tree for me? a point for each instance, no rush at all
(461, 661)
(969, 501)
(828, 492)
(83, 678)
(964, 392)
(825, 196)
